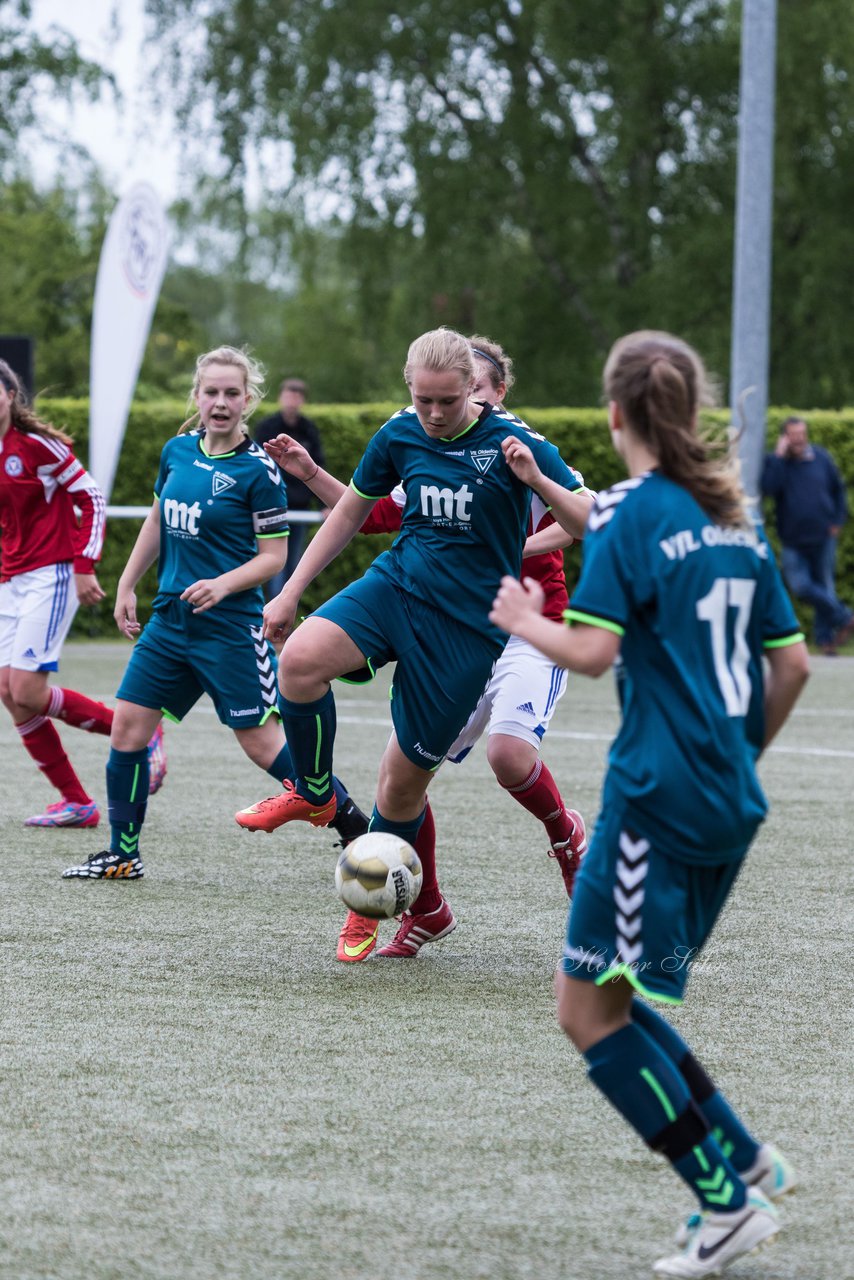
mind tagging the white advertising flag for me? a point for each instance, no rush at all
(130, 273)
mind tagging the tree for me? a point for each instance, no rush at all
(561, 172)
(554, 173)
(31, 66)
(812, 348)
(49, 246)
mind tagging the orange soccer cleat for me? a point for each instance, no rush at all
(288, 806)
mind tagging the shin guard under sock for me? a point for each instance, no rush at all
(736, 1141)
(127, 795)
(639, 1079)
(310, 731)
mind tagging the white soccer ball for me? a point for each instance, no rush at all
(378, 875)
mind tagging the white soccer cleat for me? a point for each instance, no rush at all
(723, 1238)
(770, 1173)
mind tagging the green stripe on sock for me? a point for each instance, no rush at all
(647, 1075)
(319, 740)
(723, 1142)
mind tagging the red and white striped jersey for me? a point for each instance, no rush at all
(43, 487)
(547, 569)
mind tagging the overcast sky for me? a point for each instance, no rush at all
(124, 140)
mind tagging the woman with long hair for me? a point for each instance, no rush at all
(518, 703)
(422, 605)
(49, 553)
(218, 530)
(678, 584)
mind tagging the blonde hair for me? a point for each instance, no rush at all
(498, 364)
(253, 381)
(440, 351)
(660, 383)
(21, 414)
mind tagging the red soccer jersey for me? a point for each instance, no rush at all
(547, 569)
(41, 484)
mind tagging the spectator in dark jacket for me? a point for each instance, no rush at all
(290, 419)
(809, 496)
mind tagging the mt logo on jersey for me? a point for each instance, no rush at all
(182, 518)
(446, 505)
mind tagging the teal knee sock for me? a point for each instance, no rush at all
(310, 731)
(283, 770)
(407, 831)
(736, 1142)
(127, 797)
(642, 1083)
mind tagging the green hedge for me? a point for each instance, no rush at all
(580, 434)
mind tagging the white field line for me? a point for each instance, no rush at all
(571, 735)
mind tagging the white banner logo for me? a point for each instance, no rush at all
(130, 272)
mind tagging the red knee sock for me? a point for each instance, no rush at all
(429, 899)
(540, 796)
(42, 741)
(78, 710)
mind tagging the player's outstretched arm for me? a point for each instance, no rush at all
(586, 649)
(788, 672)
(143, 556)
(553, 538)
(569, 507)
(290, 455)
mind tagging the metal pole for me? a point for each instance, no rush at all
(752, 270)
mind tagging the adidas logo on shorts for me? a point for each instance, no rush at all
(526, 707)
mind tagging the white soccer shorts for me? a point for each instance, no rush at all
(36, 612)
(519, 700)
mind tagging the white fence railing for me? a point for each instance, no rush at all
(139, 513)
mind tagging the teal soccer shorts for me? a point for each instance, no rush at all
(638, 913)
(442, 667)
(181, 655)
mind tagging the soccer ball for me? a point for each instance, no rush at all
(378, 875)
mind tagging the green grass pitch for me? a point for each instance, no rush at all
(193, 1087)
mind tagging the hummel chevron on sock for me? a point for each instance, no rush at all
(310, 731)
(283, 769)
(127, 797)
(734, 1139)
(639, 1079)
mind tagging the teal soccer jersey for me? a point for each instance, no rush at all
(466, 514)
(212, 511)
(695, 604)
